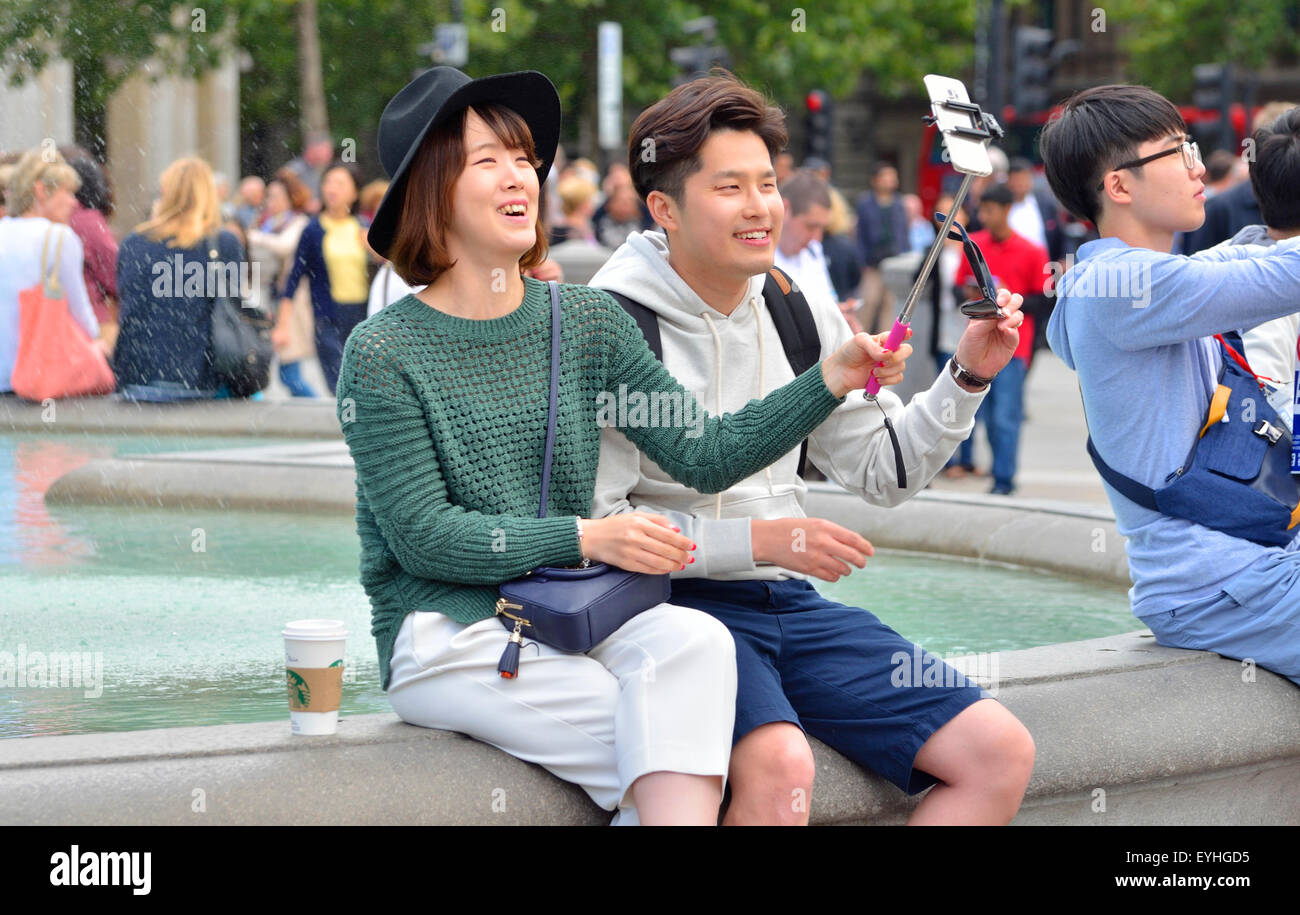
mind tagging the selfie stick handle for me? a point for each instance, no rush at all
(899, 330)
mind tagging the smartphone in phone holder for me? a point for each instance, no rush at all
(967, 131)
(987, 305)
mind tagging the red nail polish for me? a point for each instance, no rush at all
(683, 566)
(692, 546)
(690, 559)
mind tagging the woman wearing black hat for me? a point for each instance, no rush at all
(443, 400)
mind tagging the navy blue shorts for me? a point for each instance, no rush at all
(833, 671)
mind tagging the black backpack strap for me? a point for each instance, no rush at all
(646, 320)
(796, 328)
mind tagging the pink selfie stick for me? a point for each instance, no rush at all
(899, 330)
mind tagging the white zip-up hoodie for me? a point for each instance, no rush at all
(729, 360)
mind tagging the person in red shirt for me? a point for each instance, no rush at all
(1019, 265)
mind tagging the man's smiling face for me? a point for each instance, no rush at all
(731, 213)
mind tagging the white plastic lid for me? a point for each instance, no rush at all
(315, 630)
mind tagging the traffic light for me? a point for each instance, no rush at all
(1213, 89)
(818, 124)
(696, 60)
(1032, 64)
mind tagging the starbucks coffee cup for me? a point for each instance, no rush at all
(313, 660)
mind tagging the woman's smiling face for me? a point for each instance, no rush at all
(494, 202)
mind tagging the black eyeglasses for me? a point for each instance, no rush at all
(1191, 158)
(986, 307)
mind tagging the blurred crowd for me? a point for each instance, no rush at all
(303, 229)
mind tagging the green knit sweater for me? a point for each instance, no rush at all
(445, 418)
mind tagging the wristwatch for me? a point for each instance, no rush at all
(964, 375)
(581, 552)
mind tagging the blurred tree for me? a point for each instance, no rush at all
(369, 50)
(106, 41)
(1164, 39)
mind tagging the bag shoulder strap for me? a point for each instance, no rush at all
(554, 398)
(1126, 486)
(50, 268)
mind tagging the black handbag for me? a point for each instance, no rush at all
(240, 347)
(572, 609)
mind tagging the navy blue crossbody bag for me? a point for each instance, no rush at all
(1237, 476)
(572, 609)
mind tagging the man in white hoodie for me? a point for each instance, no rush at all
(701, 158)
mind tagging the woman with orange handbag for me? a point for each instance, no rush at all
(43, 289)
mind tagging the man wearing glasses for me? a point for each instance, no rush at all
(1148, 366)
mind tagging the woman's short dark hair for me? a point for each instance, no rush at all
(1275, 173)
(419, 249)
(95, 192)
(1095, 131)
(663, 147)
(356, 181)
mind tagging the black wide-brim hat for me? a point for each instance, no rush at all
(432, 99)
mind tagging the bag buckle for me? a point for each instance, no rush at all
(1267, 430)
(501, 610)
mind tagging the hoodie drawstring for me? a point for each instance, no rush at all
(717, 391)
(758, 329)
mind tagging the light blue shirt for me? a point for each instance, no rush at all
(1137, 326)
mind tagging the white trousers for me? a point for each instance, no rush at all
(658, 695)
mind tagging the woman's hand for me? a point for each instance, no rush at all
(637, 542)
(850, 366)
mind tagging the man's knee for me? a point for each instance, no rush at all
(984, 743)
(773, 767)
(1004, 748)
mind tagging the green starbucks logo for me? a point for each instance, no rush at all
(299, 691)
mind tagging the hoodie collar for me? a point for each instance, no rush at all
(639, 269)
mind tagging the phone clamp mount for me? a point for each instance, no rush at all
(967, 130)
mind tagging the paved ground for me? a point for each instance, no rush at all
(1053, 463)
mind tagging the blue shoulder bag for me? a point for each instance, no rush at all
(1236, 478)
(572, 609)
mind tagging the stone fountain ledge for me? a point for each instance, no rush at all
(1127, 732)
(114, 415)
(1059, 537)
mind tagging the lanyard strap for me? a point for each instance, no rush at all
(1241, 361)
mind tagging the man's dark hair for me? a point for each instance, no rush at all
(1275, 173)
(998, 193)
(1218, 165)
(663, 148)
(805, 189)
(879, 166)
(1019, 164)
(1097, 130)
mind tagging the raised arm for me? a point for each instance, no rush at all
(711, 453)
(1175, 299)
